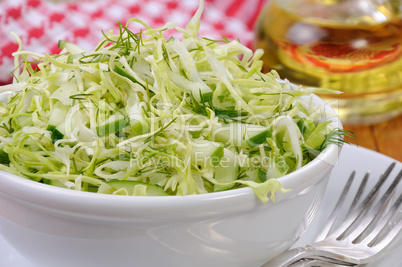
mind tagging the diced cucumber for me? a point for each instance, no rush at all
(111, 127)
(57, 120)
(202, 94)
(259, 138)
(70, 47)
(139, 128)
(71, 57)
(131, 188)
(227, 171)
(24, 120)
(317, 137)
(262, 175)
(242, 135)
(122, 72)
(170, 40)
(278, 168)
(217, 155)
(255, 175)
(4, 159)
(56, 134)
(206, 153)
(58, 114)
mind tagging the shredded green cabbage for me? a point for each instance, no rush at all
(190, 116)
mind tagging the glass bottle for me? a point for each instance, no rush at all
(354, 46)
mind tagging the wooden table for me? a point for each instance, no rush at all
(384, 137)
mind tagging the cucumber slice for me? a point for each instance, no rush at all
(70, 47)
(4, 159)
(204, 153)
(259, 138)
(56, 121)
(124, 73)
(58, 114)
(139, 128)
(227, 171)
(262, 175)
(131, 188)
(24, 120)
(242, 135)
(204, 94)
(71, 57)
(56, 134)
(256, 175)
(111, 127)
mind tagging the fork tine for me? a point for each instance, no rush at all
(388, 238)
(330, 222)
(358, 195)
(371, 239)
(363, 206)
(338, 247)
(318, 262)
(370, 216)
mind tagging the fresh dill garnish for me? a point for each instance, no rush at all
(183, 73)
(126, 42)
(166, 56)
(212, 41)
(79, 96)
(122, 72)
(198, 133)
(202, 107)
(102, 161)
(158, 132)
(75, 165)
(337, 137)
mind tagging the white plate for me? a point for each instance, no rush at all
(352, 158)
(361, 160)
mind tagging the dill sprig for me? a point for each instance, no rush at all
(79, 96)
(166, 56)
(337, 137)
(125, 41)
(153, 136)
(226, 115)
(212, 41)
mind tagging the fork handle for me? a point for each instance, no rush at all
(296, 254)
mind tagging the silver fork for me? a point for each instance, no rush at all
(365, 230)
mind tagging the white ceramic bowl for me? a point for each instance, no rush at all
(52, 226)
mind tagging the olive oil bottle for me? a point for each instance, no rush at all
(354, 46)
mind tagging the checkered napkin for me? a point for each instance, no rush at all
(41, 24)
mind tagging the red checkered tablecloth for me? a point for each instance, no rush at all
(40, 23)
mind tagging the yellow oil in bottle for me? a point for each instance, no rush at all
(332, 45)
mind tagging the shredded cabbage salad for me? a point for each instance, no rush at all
(141, 114)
